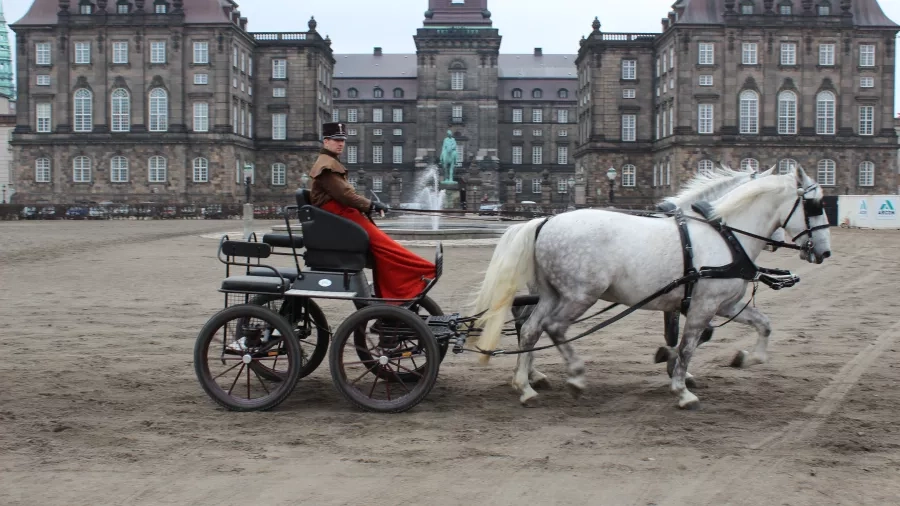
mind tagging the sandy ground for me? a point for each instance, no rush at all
(100, 404)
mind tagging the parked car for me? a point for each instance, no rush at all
(76, 213)
(489, 209)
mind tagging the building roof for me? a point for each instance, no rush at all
(366, 88)
(44, 12)
(702, 12)
(549, 89)
(525, 66)
(447, 13)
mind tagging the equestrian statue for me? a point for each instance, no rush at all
(448, 157)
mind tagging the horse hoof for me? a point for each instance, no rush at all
(691, 405)
(739, 359)
(662, 354)
(528, 398)
(576, 387)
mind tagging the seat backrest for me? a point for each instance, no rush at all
(332, 242)
(303, 198)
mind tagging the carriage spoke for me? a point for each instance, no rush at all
(261, 382)
(409, 371)
(363, 374)
(236, 378)
(226, 370)
(373, 386)
(248, 383)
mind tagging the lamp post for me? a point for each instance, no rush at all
(611, 175)
(304, 179)
(248, 177)
(571, 183)
(3, 201)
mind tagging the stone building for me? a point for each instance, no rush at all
(133, 100)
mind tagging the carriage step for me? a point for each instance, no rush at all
(442, 320)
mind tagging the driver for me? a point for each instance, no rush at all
(398, 272)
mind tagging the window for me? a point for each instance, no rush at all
(398, 115)
(377, 184)
(457, 80)
(867, 174)
(118, 169)
(705, 119)
(563, 93)
(156, 169)
(85, 9)
(42, 170)
(250, 124)
(279, 69)
(748, 55)
(201, 170)
(279, 126)
(234, 117)
(537, 115)
(158, 52)
(629, 93)
(398, 131)
(352, 93)
(864, 82)
(562, 116)
(457, 112)
(84, 103)
(377, 115)
(42, 53)
(351, 132)
(671, 120)
(562, 155)
(705, 167)
(83, 52)
(561, 186)
(826, 54)
(537, 133)
(201, 78)
(517, 155)
(279, 172)
(518, 185)
(786, 166)
(43, 80)
(629, 69)
(563, 133)
(867, 55)
(867, 120)
(160, 8)
(629, 128)
(746, 8)
(378, 93)
(352, 154)
(120, 52)
(784, 10)
(377, 132)
(787, 113)
(628, 175)
(749, 112)
(122, 8)
(706, 80)
(825, 113)
(398, 93)
(352, 115)
(537, 155)
(398, 154)
(517, 115)
(788, 53)
(121, 110)
(279, 92)
(707, 54)
(201, 117)
(377, 153)
(44, 117)
(517, 132)
(824, 10)
(335, 115)
(536, 185)
(201, 52)
(159, 110)
(81, 169)
(517, 93)
(749, 164)
(825, 175)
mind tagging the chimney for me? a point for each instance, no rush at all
(538, 51)
(377, 51)
(665, 24)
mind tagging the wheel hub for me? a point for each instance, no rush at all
(246, 359)
(383, 360)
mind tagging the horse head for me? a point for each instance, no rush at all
(806, 222)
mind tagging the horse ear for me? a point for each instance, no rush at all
(768, 172)
(800, 175)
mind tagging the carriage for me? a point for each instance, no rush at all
(385, 356)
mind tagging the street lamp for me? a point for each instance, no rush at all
(248, 176)
(304, 179)
(571, 182)
(611, 175)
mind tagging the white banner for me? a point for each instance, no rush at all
(869, 211)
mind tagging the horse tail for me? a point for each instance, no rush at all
(512, 266)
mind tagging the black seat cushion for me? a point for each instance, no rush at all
(332, 242)
(283, 240)
(289, 273)
(253, 284)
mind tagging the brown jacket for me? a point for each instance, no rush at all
(329, 182)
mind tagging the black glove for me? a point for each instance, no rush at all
(378, 206)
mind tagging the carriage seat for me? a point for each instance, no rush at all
(333, 243)
(288, 273)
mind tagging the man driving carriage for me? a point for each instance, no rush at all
(398, 272)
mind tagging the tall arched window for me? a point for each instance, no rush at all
(159, 110)
(825, 176)
(121, 111)
(201, 170)
(749, 112)
(81, 169)
(84, 106)
(825, 113)
(457, 76)
(118, 169)
(748, 164)
(705, 167)
(629, 175)
(787, 112)
(867, 174)
(787, 165)
(156, 169)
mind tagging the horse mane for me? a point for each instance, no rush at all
(704, 185)
(736, 200)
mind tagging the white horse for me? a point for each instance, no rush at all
(704, 186)
(576, 258)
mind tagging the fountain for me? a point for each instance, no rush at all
(429, 195)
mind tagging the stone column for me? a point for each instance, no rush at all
(361, 186)
(580, 189)
(511, 187)
(395, 187)
(546, 188)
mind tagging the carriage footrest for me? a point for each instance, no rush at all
(447, 320)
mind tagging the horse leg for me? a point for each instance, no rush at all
(753, 317)
(667, 353)
(558, 323)
(531, 332)
(697, 321)
(535, 377)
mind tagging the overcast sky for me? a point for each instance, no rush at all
(356, 26)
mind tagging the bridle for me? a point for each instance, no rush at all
(811, 207)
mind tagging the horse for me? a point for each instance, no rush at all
(576, 258)
(707, 185)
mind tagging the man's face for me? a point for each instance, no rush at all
(334, 145)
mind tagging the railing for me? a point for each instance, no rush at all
(274, 37)
(627, 37)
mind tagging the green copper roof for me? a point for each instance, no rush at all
(7, 83)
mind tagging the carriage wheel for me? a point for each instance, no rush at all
(305, 325)
(228, 346)
(364, 339)
(376, 383)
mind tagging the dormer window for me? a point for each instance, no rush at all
(398, 93)
(160, 7)
(378, 93)
(747, 8)
(517, 93)
(352, 93)
(335, 93)
(824, 10)
(537, 93)
(563, 93)
(785, 9)
(86, 8)
(122, 8)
